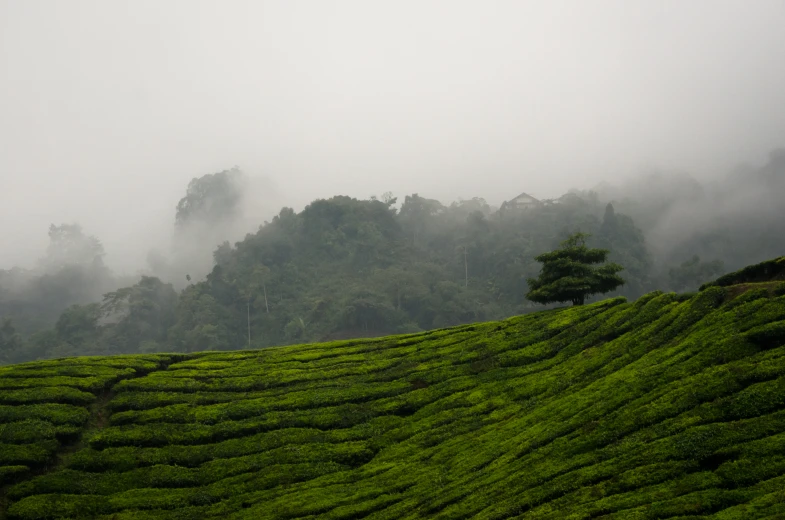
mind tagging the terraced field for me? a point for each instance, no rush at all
(670, 406)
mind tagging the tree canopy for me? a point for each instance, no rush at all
(568, 275)
(345, 267)
(211, 198)
(68, 245)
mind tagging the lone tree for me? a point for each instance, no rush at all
(568, 275)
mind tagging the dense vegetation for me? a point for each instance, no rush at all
(668, 406)
(344, 268)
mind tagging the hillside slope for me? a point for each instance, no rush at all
(670, 406)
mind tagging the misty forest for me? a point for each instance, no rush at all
(351, 259)
(345, 268)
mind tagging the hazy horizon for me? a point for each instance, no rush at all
(109, 109)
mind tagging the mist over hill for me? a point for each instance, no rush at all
(345, 267)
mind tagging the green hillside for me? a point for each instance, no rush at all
(671, 406)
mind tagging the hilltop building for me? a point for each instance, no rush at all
(522, 201)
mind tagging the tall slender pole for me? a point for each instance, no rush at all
(248, 310)
(465, 268)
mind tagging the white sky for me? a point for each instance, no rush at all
(108, 108)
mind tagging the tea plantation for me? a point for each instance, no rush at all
(672, 406)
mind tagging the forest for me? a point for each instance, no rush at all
(345, 268)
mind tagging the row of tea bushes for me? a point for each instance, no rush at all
(47, 404)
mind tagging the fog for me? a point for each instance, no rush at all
(109, 109)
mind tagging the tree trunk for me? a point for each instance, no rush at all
(248, 311)
(267, 307)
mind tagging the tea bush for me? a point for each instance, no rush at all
(46, 405)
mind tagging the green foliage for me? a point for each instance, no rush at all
(51, 412)
(567, 273)
(46, 394)
(668, 406)
(771, 335)
(44, 406)
(765, 271)
(78, 325)
(143, 313)
(346, 268)
(340, 268)
(71, 273)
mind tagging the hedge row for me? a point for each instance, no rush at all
(765, 271)
(54, 413)
(130, 457)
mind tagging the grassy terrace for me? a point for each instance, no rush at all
(670, 406)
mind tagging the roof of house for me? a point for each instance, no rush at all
(524, 197)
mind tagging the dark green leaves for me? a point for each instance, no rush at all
(567, 273)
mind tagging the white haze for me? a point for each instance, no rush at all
(108, 108)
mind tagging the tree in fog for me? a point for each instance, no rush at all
(567, 273)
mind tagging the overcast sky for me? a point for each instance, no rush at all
(108, 108)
